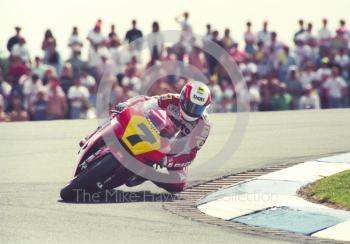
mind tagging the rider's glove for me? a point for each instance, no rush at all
(119, 107)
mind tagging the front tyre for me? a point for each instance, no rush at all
(91, 180)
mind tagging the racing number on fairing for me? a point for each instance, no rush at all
(140, 136)
(146, 137)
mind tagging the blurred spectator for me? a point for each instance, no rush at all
(87, 80)
(132, 85)
(206, 41)
(126, 54)
(227, 40)
(78, 96)
(342, 26)
(300, 31)
(324, 37)
(31, 86)
(50, 73)
(14, 39)
(340, 40)
(212, 62)
(309, 37)
(96, 39)
(133, 68)
(5, 88)
(282, 99)
(254, 94)
(56, 101)
(134, 36)
(187, 39)
(310, 99)
(324, 71)
(20, 50)
(261, 59)
(314, 51)
(266, 103)
(180, 52)
(286, 61)
(117, 95)
(228, 101)
(106, 66)
(49, 40)
(16, 92)
(112, 31)
(342, 59)
(308, 75)
(275, 53)
(274, 43)
(208, 35)
(264, 35)
(197, 59)
(3, 116)
(18, 113)
(335, 87)
(183, 21)
(39, 107)
(249, 38)
(66, 78)
(302, 51)
(155, 42)
(170, 66)
(238, 55)
(157, 88)
(17, 68)
(216, 93)
(90, 83)
(39, 68)
(113, 37)
(294, 86)
(116, 56)
(51, 56)
(76, 62)
(75, 42)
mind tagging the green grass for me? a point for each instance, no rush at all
(334, 189)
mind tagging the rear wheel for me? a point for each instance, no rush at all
(92, 179)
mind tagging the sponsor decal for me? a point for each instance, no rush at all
(201, 99)
(200, 90)
(178, 165)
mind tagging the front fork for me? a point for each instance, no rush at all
(92, 158)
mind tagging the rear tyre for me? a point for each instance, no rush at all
(91, 180)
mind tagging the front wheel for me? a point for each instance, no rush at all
(91, 180)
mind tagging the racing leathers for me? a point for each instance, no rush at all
(191, 137)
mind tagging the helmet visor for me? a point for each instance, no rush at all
(192, 109)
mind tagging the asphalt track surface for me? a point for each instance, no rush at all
(38, 158)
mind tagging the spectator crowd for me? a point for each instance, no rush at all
(313, 73)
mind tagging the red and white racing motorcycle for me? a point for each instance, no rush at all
(144, 132)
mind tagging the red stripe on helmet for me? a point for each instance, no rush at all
(188, 89)
(208, 100)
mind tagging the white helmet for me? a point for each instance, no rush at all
(194, 98)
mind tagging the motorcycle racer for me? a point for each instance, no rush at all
(187, 111)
